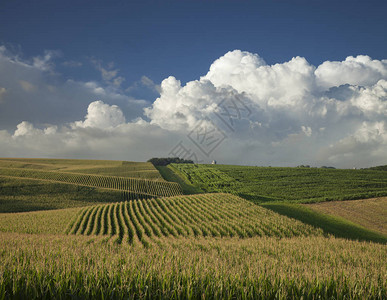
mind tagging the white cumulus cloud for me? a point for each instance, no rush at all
(103, 116)
(26, 128)
(359, 70)
(294, 106)
(287, 114)
(31, 89)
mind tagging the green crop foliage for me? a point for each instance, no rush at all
(80, 267)
(108, 243)
(214, 215)
(172, 174)
(267, 184)
(39, 222)
(40, 184)
(20, 195)
(131, 188)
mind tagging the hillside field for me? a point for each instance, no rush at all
(370, 213)
(101, 167)
(212, 215)
(304, 185)
(40, 184)
(65, 254)
(82, 229)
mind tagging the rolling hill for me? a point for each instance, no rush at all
(39, 184)
(205, 215)
(106, 229)
(302, 185)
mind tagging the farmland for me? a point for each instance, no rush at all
(36, 266)
(142, 187)
(67, 231)
(306, 185)
(51, 175)
(283, 189)
(21, 195)
(102, 167)
(370, 213)
(213, 215)
(52, 221)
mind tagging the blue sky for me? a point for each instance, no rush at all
(131, 79)
(182, 38)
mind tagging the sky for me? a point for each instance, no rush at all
(278, 83)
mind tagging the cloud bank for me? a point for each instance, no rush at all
(32, 90)
(284, 114)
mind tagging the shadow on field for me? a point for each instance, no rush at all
(171, 175)
(257, 199)
(337, 226)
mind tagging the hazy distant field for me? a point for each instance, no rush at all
(103, 167)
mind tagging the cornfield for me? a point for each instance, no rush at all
(205, 215)
(79, 267)
(132, 188)
(122, 238)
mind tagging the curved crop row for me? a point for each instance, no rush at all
(212, 215)
(132, 188)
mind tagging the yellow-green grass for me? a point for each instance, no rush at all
(330, 224)
(102, 167)
(56, 164)
(123, 171)
(141, 187)
(38, 222)
(45, 266)
(370, 213)
(204, 215)
(20, 195)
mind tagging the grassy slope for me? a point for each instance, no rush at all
(56, 164)
(335, 225)
(102, 167)
(369, 213)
